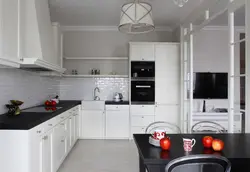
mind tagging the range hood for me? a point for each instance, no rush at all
(37, 39)
(36, 64)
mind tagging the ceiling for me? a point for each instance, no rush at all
(107, 12)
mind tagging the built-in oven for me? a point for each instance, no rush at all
(142, 69)
(143, 92)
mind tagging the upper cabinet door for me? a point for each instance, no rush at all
(167, 74)
(58, 42)
(9, 33)
(142, 52)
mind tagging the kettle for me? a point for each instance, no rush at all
(118, 97)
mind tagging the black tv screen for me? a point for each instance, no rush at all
(210, 86)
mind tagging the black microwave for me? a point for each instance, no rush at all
(143, 69)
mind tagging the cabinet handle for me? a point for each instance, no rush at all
(50, 124)
(62, 141)
(62, 123)
(45, 137)
(142, 106)
(62, 117)
(70, 118)
(39, 131)
(142, 117)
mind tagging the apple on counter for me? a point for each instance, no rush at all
(209, 142)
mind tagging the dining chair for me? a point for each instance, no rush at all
(199, 163)
(208, 127)
(168, 127)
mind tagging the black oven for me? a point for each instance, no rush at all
(142, 69)
(142, 92)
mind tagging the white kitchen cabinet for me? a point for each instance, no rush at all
(138, 130)
(46, 152)
(72, 130)
(117, 122)
(143, 110)
(93, 124)
(142, 51)
(168, 113)
(9, 34)
(167, 74)
(59, 145)
(77, 125)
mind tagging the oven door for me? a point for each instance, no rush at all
(142, 69)
(143, 92)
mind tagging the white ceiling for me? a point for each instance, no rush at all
(107, 12)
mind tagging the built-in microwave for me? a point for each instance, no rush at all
(143, 69)
(142, 92)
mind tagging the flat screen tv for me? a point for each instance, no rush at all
(210, 86)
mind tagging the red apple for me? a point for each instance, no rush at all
(217, 145)
(165, 143)
(47, 103)
(53, 103)
(207, 141)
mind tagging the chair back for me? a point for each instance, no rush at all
(208, 127)
(168, 127)
(199, 163)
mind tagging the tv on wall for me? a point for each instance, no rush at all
(210, 86)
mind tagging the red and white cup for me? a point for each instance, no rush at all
(188, 144)
(159, 134)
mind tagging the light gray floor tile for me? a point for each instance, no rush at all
(102, 156)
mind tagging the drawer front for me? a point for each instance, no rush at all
(138, 130)
(142, 109)
(38, 130)
(117, 107)
(138, 121)
(50, 124)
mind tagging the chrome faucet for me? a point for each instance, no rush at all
(95, 96)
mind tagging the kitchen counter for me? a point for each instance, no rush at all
(111, 102)
(28, 120)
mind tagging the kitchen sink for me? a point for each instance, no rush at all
(93, 105)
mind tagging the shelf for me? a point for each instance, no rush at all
(96, 76)
(96, 58)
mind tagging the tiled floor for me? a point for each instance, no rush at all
(102, 156)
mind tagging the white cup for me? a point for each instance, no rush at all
(188, 144)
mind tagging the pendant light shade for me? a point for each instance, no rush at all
(136, 17)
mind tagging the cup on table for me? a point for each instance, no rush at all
(159, 134)
(188, 144)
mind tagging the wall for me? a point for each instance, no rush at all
(83, 88)
(25, 86)
(100, 44)
(211, 54)
(106, 43)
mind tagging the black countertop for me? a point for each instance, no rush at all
(28, 120)
(111, 102)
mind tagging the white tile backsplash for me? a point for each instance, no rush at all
(26, 86)
(83, 88)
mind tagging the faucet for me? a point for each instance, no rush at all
(95, 96)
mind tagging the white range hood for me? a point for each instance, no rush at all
(37, 43)
(35, 64)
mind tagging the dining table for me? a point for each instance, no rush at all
(154, 159)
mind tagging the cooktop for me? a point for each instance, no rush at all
(42, 109)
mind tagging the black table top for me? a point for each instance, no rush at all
(237, 146)
(28, 120)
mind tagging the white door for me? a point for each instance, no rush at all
(142, 52)
(77, 126)
(68, 134)
(117, 124)
(93, 124)
(168, 113)
(58, 146)
(72, 130)
(46, 152)
(167, 74)
(9, 29)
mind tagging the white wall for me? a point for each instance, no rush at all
(25, 86)
(83, 88)
(211, 55)
(106, 43)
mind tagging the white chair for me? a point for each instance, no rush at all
(168, 127)
(208, 127)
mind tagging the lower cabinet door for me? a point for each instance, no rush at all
(77, 127)
(72, 130)
(93, 124)
(46, 152)
(117, 124)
